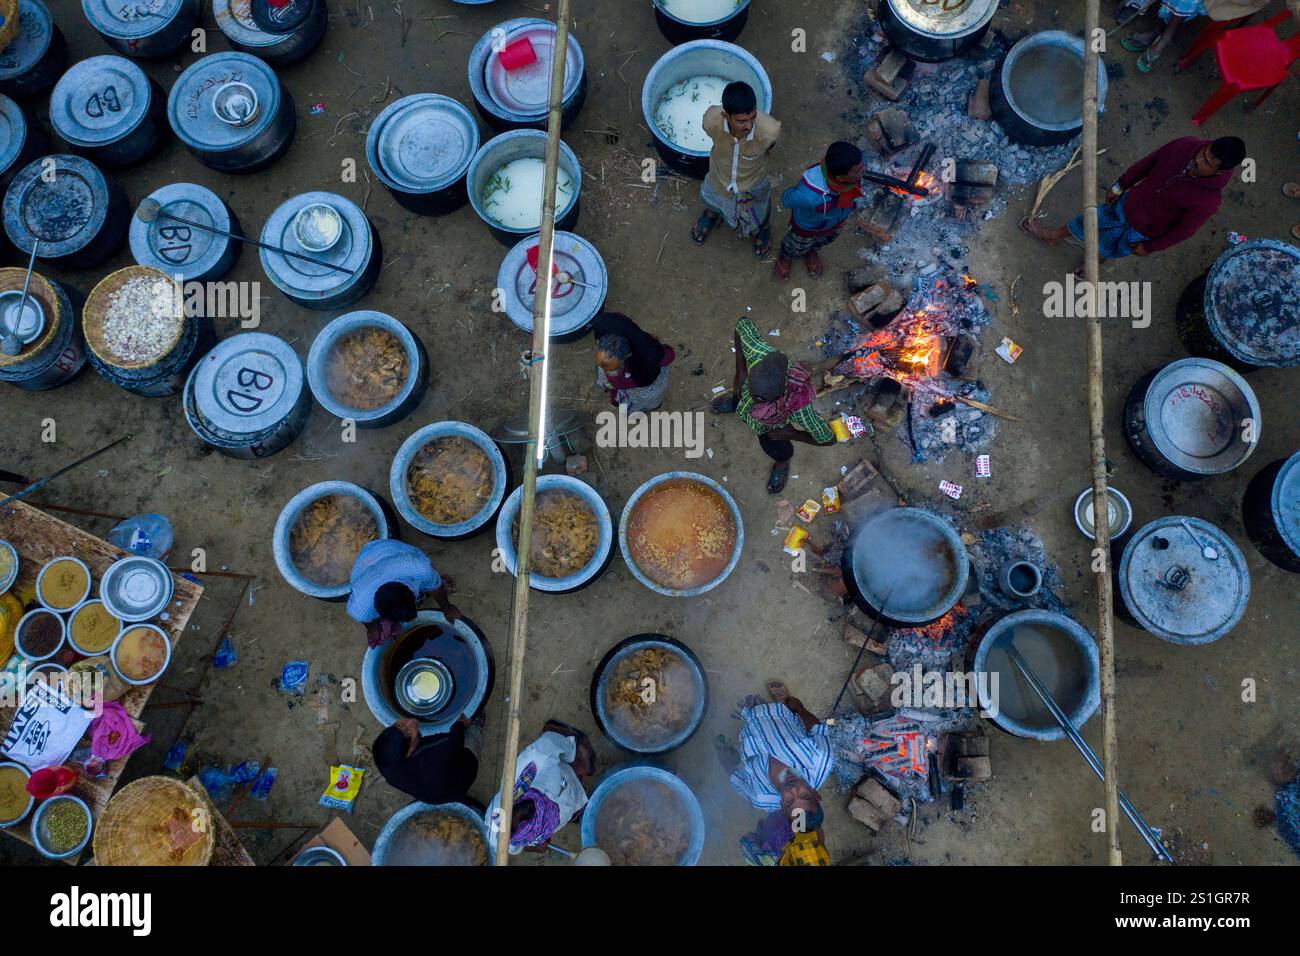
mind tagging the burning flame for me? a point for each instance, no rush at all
(939, 628)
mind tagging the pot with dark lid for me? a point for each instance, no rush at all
(681, 21)
(907, 567)
(231, 112)
(33, 62)
(236, 20)
(79, 214)
(1271, 512)
(1244, 310)
(1036, 93)
(1184, 580)
(150, 28)
(179, 249)
(420, 147)
(1192, 418)
(107, 110)
(21, 141)
(933, 31)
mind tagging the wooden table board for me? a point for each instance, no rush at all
(227, 850)
(38, 538)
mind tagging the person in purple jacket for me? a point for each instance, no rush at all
(820, 204)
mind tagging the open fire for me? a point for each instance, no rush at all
(912, 348)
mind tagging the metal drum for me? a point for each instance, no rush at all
(399, 845)
(501, 151)
(231, 112)
(80, 216)
(289, 515)
(906, 567)
(459, 648)
(589, 572)
(694, 59)
(20, 141)
(356, 248)
(163, 372)
(575, 301)
(235, 20)
(681, 21)
(634, 775)
(1174, 588)
(520, 98)
(420, 148)
(680, 699)
(397, 483)
(107, 110)
(1192, 418)
(33, 62)
(1245, 310)
(1037, 90)
(180, 250)
(1271, 511)
(246, 398)
(650, 485)
(932, 31)
(53, 350)
(407, 397)
(1060, 652)
(152, 28)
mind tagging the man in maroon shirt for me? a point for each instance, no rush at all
(1158, 201)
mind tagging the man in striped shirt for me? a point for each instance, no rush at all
(773, 396)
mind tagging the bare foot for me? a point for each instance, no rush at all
(777, 690)
(1033, 227)
(727, 753)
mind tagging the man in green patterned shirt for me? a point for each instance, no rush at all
(773, 396)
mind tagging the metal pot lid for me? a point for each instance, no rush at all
(65, 214)
(13, 131)
(572, 305)
(235, 20)
(280, 16)
(1286, 502)
(909, 564)
(295, 276)
(424, 686)
(26, 325)
(132, 19)
(1252, 302)
(1194, 411)
(99, 101)
(527, 90)
(35, 33)
(247, 384)
(136, 588)
(952, 18)
(190, 104)
(1177, 593)
(422, 143)
(174, 247)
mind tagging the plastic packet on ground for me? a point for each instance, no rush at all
(344, 785)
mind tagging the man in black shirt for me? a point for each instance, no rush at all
(436, 769)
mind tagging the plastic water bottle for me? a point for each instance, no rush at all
(149, 535)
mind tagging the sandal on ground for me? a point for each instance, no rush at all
(1146, 62)
(1026, 226)
(780, 474)
(724, 404)
(777, 690)
(762, 246)
(781, 269)
(703, 226)
(1135, 44)
(813, 263)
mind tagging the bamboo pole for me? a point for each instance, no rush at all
(535, 446)
(1097, 436)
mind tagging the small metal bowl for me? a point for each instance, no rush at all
(136, 588)
(40, 835)
(40, 598)
(236, 104)
(1117, 506)
(319, 856)
(424, 686)
(29, 324)
(312, 239)
(18, 634)
(133, 681)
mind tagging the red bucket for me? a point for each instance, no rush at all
(518, 54)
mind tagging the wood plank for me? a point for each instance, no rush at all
(39, 537)
(227, 850)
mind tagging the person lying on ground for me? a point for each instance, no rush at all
(439, 768)
(549, 788)
(389, 581)
(820, 204)
(1159, 201)
(631, 364)
(737, 189)
(774, 397)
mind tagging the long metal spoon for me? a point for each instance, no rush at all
(12, 345)
(151, 209)
(1208, 551)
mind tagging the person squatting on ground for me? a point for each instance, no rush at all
(631, 364)
(389, 581)
(439, 768)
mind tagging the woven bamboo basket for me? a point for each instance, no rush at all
(9, 27)
(151, 822)
(96, 310)
(11, 279)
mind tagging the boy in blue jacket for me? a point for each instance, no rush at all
(820, 204)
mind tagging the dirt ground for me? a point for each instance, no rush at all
(1194, 758)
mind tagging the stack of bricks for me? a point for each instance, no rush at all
(873, 806)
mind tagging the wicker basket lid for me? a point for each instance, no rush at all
(8, 22)
(11, 279)
(155, 821)
(96, 311)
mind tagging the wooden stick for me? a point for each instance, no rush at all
(1097, 437)
(986, 407)
(536, 444)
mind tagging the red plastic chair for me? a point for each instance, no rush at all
(1250, 58)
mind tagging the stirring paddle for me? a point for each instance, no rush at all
(11, 344)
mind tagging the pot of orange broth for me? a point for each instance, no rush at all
(681, 534)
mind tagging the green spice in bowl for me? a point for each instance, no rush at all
(61, 826)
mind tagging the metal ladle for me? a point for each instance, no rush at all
(1208, 551)
(11, 344)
